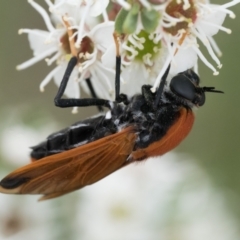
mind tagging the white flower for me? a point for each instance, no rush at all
(94, 46)
(182, 25)
(59, 41)
(153, 35)
(93, 8)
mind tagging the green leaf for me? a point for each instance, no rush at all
(150, 19)
(130, 23)
(120, 19)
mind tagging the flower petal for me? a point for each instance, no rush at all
(98, 7)
(102, 34)
(185, 59)
(215, 17)
(134, 76)
(37, 40)
(109, 57)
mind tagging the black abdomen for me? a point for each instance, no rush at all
(78, 134)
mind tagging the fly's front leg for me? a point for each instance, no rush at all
(73, 102)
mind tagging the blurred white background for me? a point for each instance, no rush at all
(192, 193)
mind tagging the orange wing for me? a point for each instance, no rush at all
(62, 173)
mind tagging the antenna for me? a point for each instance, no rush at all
(211, 89)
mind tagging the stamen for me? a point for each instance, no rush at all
(215, 46)
(71, 39)
(140, 39)
(168, 24)
(186, 4)
(126, 63)
(160, 7)
(36, 59)
(49, 61)
(230, 4)
(227, 30)
(205, 61)
(73, 27)
(151, 36)
(227, 11)
(206, 6)
(52, 6)
(181, 37)
(82, 22)
(70, 34)
(131, 50)
(147, 59)
(44, 15)
(206, 43)
(168, 17)
(31, 31)
(156, 49)
(71, 21)
(105, 16)
(48, 78)
(75, 110)
(124, 4)
(135, 43)
(146, 4)
(82, 76)
(164, 68)
(157, 38)
(91, 58)
(51, 36)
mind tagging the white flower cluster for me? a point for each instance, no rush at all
(152, 34)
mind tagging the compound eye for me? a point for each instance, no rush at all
(193, 76)
(183, 87)
(202, 100)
